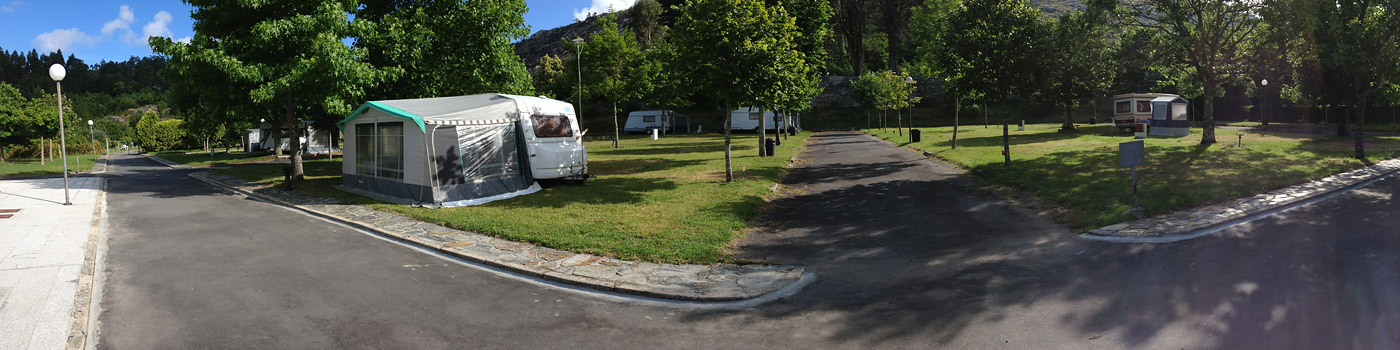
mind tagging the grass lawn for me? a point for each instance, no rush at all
(1078, 173)
(659, 201)
(199, 158)
(14, 167)
(1313, 126)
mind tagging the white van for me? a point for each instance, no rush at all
(667, 120)
(746, 118)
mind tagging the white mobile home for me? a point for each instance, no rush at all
(318, 141)
(667, 120)
(462, 150)
(1129, 109)
(746, 118)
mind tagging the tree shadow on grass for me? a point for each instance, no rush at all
(638, 166)
(603, 190)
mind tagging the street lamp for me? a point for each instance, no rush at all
(92, 144)
(578, 59)
(57, 72)
(1263, 118)
(909, 100)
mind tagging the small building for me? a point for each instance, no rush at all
(1169, 117)
(461, 150)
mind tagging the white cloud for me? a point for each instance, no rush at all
(123, 22)
(602, 6)
(158, 27)
(185, 39)
(11, 6)
(62, 39)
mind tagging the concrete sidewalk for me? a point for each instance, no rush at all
(42, 251)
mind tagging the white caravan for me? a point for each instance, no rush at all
(746, 118)
(667, 120)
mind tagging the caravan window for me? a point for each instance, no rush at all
(379, 150)
(649, 119)
(1124, 107)
(1144, 106)
(552, 126)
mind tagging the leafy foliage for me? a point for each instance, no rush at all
(157, 135)
(444, 48)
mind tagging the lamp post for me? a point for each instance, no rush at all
(57, 72)
(1263, 118)
(909, 100)
(92, 143)
(578, 60)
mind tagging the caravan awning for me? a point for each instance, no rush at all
(476, 109)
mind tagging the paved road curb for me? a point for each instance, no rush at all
(79, 325)
(1192, 223)
(167, 162)
(707, 283)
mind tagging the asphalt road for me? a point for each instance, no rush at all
(907, 256)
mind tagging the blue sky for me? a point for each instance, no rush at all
(97, 30)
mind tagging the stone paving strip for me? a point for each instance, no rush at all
(719, 282)
(1188, 221)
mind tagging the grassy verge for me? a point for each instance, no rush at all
(198, 158)
(16, 167)
(1078, 172)
(659, 201)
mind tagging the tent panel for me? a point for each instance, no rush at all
(386, 190)
(488, 151)
(482, 191)
(415, 158)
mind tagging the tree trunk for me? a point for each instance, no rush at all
(295, 141)
(762, 133)
(2, 153)
(728, 168)
(899, 122)
(853, 28)
(985, 121)
(277, 138)
(1208, 129)
(1344, 125)
(617, 133)
(41, 151)
(1005, 136)
(1069, 122)
(882, 120)
(957, 107)
(1361, 129)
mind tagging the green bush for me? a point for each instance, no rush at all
(154, 134)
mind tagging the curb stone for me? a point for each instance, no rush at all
(707, 283)
(1189, 223)
(168, 163)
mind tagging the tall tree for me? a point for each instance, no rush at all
(614, 63)
(1358, 41)
(1207, 40)
(445, 47)
(931, 26)
(997, 52)
(1079, 64)
(291, 53)
(741, 53)
(646, 22)
(851, 23)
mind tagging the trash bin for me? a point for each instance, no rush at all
(768, 146)
(915, 135)
(792, 130)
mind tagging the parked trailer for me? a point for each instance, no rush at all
(747, 118)
(1129, 109)
(666, 120)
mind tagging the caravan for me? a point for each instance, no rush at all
(667, 121)
(459, 151)
(747, 118)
